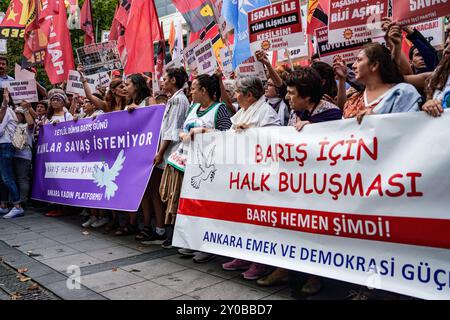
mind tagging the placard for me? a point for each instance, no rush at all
(356, 20)
(22, 90)
(227, 64)
(275, 27)
(206, 59)
(416, 11)
(99, 57)
(251, 67)
(348, 51)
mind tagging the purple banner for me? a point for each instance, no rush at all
(103, 163)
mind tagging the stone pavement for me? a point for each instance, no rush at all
(121, 268)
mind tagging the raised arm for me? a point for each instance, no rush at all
(99, 103)
(261, 56)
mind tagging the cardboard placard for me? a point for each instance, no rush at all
(251, 67)
(227, 65)
(22, 90)
(175, 63)
(356, 20)
(75, 86)
(189, 56)
(99, 57)
(276, 27)
(206, 58)
(416, 11)
(347, 50)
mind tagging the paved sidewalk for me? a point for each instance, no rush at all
(116, 267)
(121, 268)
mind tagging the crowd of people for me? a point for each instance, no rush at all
(382, 80)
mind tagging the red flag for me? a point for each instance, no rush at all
(141, 31)
(87, 24)
(15, 20)
(118, 26)
(317, 15)
(114, 31)
(123, 11)
(197, 13)
(59, 57)
(36, 34)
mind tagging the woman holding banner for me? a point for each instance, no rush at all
(206, 114)
(57, 111)
(174, 82)
(254, 112)
(138, 95)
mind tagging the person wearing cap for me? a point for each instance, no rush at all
(22, 158)
(57, 111)
(115, 75)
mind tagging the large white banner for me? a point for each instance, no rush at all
(366, 204)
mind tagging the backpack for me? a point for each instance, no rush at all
(20, 137)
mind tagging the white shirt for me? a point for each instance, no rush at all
(66, 117)
(175, 113)
(8, 126)
(259, 114)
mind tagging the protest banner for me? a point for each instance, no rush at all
(189, 56)
(206, 58)
(251, 67)
(99, 57)
(299, 51)
(416, 11)
(175, 63)
(347, 50)
(22, 90)
(75, 86)
(339, 200)
(103, 79)
(433, 31)
(276, 27)
(100, 163)
(226, 62)
(356, 20)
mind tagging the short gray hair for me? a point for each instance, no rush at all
(251, 84)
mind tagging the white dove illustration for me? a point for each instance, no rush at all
(104, 176)
(208, 169)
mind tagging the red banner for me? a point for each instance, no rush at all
(433, 232)
(416, 11)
